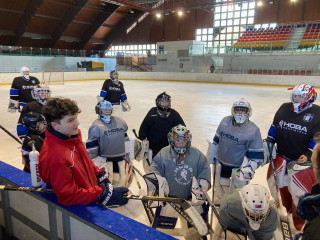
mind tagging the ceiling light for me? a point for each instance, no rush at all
(180, 13)
(271, 1)
(259, 3)
(158, 15)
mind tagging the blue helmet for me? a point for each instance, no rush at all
(104, 105)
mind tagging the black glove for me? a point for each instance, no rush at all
(103, 178)
(112, 196)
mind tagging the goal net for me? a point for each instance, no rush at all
(53, 77)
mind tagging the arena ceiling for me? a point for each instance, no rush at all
(78, 24)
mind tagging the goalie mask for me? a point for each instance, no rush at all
(105, 110)
(302, 97)
(241, 111)
(163, 103)
(179, 139)
(114, 76)
(41, 93)
(255, 203)
(24, 71)
(34, 122)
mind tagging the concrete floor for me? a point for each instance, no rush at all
(201, 105)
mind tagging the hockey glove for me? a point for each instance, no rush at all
(125, 106)
(103, 178)
(198, 197)
(212, 152)
(246, 172)
(307, 205)
(113, 196)
(268, 147)
(13, 106)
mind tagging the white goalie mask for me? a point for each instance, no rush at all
(241, 111)
(302, 97)
(255, 201)
(105, 111)
(41, 93)
(179, 139)
(114, 76)
(24, 71)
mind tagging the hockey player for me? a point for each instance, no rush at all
(158, 122)
(40, 93)
(65, 164)
(20, 91)
(309, 207)
(237, 149)
(113, 91)
(35, 124)
(106, 145)
(248, 211)
(293, 128)
(182, 171)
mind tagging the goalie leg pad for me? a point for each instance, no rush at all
(99, 161)
(212, 152)
(129, 148)
(108, 167)
(221, 184)
(125, 176)
(235, 182)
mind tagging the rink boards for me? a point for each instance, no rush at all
(38, 215)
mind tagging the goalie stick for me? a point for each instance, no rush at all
(183, 207)
(284, 220)
(10, 134)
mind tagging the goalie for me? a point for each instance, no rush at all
(182, 171)
(106, 145)
(248, 211)
(236, 150)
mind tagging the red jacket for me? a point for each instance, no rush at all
(65, 165)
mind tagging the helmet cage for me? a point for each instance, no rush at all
(244, 106)
(308, 95)
(32, 121)
(163, 111)
(179, 133)
(41, 93)
(113, 78)
(105, 105)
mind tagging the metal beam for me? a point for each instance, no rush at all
(98, 22)
(120, 29)
(66, 20)
(24, 21)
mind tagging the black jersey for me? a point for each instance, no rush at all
(156, 129)
(21, 89)
(113, 92)
(29, 107)
(294, 132)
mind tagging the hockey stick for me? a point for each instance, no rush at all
(10, 134)
(147, 209)
(211, 217)
(136, 135)
(26, 189)
(284, 220)
(183, 207)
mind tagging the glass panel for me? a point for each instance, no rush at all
(273, 25)
(198, 38)
(140, 47)
(243, 21)
(204, 38)
(236, 14)
(198, 31)
(257, 26)
(210, 30)
(250, 20)
(237, 7)
(210, 37)
(244, 5)
(217, 16)
(153, 46)
(222, 36)
(252, 5)
(209, 44)
(244, 13)
(229, 22)
(217, 23)
(223, 15)
(251, 13)
(116, 48)
(229, 36)
(230, 15)
(235, 36)
(204, 31)
(236, 28)
(224, 8)
(236, 21)
(265, 25)
(218, 9)
(135, 47)
(223, 22)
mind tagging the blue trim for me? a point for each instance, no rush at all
(92, 144)
(21, 130)
(272, 132)
(123, 97)
(255, 155)
(311, 144)
(14, 92)
(216, 139)
(103, 94)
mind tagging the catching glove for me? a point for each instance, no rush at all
(13, 106)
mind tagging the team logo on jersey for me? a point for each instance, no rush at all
(229, 136)
(113, 131)
(114, 89)
(183, 174)
(308, 117)
(293, 127)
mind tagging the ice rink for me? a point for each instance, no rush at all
(201, 105)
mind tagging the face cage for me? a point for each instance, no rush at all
(180, 150)
(37, 96)
(35, 126)
(256, 217)
(164, 108)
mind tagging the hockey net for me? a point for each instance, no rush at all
(53, 77)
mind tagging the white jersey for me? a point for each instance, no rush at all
(179, 175)
(237, 142)
(107, 139)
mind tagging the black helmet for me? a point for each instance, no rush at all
(31, 120)
(163, 111)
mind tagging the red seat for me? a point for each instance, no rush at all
(269, 72)
(302, 73)
(279, 72)
(250, 71)
(274, 72)
(285, 72)
(290, 72)
(308, 72)
(255, 71)
(296, 72)
(264, 72)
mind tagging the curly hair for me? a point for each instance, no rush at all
(57, 108)
(316, 162)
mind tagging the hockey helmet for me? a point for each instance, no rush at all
(255, 201)
(163, 103)
(241, 111)
(41, 93)
(114, 76)
(24, 71)
(105, 105)
(302, 97)
(179, 139)
(34, 122)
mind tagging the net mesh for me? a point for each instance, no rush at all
(53, 77)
